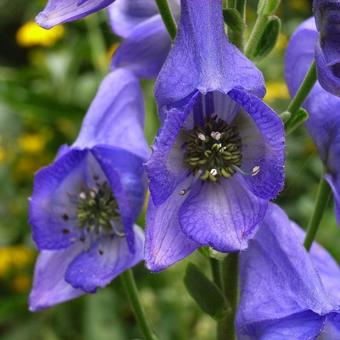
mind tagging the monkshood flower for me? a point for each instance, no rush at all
(219, 156)
(327, 50)
(59, 11)
(84, 204)
(287, 293)
(146, 42)
(323, 107)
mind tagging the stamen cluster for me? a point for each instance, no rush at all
(97, 208)
(213, 150)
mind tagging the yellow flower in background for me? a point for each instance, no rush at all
(276, 90)
(14, 258)
(30, 34)
(32, 142)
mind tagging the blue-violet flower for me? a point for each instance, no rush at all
(323, 107)
(286, 292)
(85, 203)
(219, 156)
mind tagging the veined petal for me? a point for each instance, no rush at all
(104, 261)
(201, 57)
(116, 115)
(325, 265)
(49, 285)
(145, 49)
(263, 148)
(224, 216)
(334, 182)
(166, 167)
(52, 211)
(165, 242)
(279, 281)
(126, 15)
(125, 173)
(59, 11)
(302, 326)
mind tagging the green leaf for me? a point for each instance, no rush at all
(233, 19)
(267, 7)
(296, 120)
(269, 38)
(206, 294)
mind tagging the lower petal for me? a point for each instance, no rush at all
(49, 285)
(224, 216)
(104, 261)
(165, 242)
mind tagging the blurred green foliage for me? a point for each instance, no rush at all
(44, 93)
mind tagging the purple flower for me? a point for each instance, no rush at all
(323, 107)
(59, 11)
(219, 155)
(287, 293)
(327, 50)
(84, 204)
(146, 42)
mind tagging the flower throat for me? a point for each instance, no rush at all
(97, 208)
(213, 150)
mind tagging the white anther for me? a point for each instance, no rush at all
(256, 170)
(201, 136)
(213, 172)
(92, 194)
(183, 192)
(216, 135)
(82, 195)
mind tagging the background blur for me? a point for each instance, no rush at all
(47, 80)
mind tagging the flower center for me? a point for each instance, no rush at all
(213, 150)
(97, 209)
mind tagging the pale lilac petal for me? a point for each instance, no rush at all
(105, 260)
(166, 167)
(145, 49)
(222, 215)
(165, 243)
(201, 57)
(52, 211)
(49, 285)
(59, 11)
(278, 281)
(116, 115)
(125, 173)
(126, 15)
(263, 145)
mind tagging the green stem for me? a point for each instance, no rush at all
(237, 37)
(301, 95)
(256, 35)
(324, 193)
(304, 89)
(226, 327)
(168, 19)
(132, 292)
(216, 272)
(97, 44)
